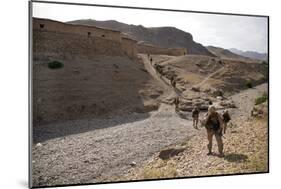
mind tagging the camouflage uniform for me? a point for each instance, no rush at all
(195, 116)
(214, 126)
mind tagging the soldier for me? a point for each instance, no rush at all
(226, 118)
(173, 81)
(195, 116)
(177, 102)
(158, 69)
(151, 60)
(214, 126)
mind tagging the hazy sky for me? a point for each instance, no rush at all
(241, 32)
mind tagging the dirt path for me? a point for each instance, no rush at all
(174, 91)
(152, 71)
(100, 154)
(208, 77)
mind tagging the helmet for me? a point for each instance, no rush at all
(212, 109)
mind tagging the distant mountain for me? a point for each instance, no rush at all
(250, 54)
(224, 53)
(169, 37)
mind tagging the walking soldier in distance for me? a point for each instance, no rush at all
(226, 118)
(195, 116)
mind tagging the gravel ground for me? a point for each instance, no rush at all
(102, 153)
(245, 148)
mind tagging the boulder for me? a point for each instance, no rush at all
(217, 92)
(219, 97)
(259, 110)
(133, 164)
(168, 153)
(196, 89)
(227, 104)
(39, 145)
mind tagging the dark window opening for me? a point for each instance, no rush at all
(103, 35)
(89, 34)
(41, 26)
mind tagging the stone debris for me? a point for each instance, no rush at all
(133, 164)
(39, 145)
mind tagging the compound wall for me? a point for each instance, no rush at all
(149, 49)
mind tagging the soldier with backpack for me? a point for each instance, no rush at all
(195, 116)
(214, 125)
(226, 118)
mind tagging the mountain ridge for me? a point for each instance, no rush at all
(225, 53)
(250, 54)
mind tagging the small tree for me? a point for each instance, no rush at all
(55, 65)
(249, 84)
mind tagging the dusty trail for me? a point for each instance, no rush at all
(209, 76)
(173, 91)
(152, 71)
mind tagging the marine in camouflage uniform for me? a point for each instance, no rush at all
(214, 125)
(226, 118)
(195, 116)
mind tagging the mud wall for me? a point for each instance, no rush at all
(149, 49)
(129, 47)
(66, 41)
(88, 31)
(69, 46)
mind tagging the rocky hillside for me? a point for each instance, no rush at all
(160, 36)
(206, 73)
(226, 54)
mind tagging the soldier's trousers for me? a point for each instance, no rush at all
(218, 135)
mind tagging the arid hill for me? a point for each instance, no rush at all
(170, 37)
(251, 54)
(206, 72)
(226, 54)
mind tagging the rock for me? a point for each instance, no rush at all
(218, 92)
(219, 97)
(186, 108)
(39, 145)
(86, 161)
(227, 104)
(133, 164)
(196, 89)
(168, 153)
(207, 90)
(204, 107)
(258, 111)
